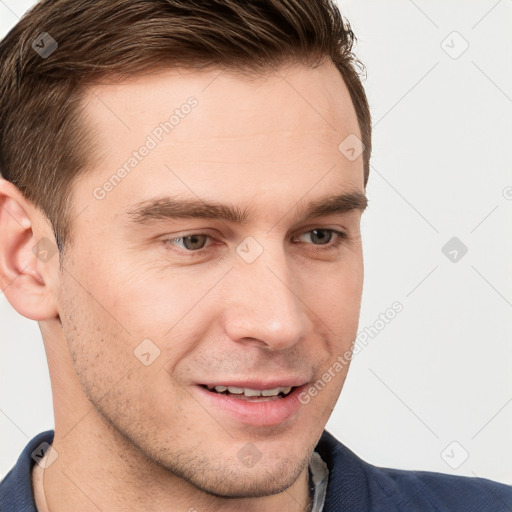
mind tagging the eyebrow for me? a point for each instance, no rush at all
(167, 207)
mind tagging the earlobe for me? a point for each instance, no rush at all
(27, 254)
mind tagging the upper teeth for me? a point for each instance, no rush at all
(253, 392)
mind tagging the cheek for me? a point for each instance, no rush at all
(110, 374)
(98, 342)
(335, 296)
(99, 326)
(155, 301)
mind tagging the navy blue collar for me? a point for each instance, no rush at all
(16, 488)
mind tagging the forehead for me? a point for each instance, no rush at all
(217, 134)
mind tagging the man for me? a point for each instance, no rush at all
(180, 212)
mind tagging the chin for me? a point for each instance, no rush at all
(256, 482)
(250, 487)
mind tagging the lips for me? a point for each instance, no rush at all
(256, 403)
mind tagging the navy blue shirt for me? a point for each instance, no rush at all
(354, 485)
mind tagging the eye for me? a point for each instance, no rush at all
(323, 237)
(191, 243)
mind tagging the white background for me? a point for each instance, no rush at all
(434, 385)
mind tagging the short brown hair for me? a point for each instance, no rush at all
(43, 144)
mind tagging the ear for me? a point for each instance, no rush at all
(29, 257)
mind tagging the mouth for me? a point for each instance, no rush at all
(251, 394)
(254, 403)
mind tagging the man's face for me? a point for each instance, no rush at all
(265, 304)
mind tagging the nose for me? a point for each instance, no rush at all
(263, 306)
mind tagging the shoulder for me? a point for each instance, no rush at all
(439, 491)
(373, 488)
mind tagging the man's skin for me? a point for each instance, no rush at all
(135, 437)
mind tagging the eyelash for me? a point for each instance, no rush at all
(340, 237)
